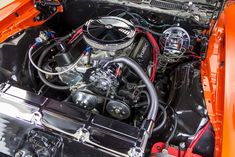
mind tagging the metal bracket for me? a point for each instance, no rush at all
(36, 118)
(146, 1)
(4, 87)
(83, 135)
(46, 8)
(136, 152)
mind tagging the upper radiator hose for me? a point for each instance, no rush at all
(152, 92)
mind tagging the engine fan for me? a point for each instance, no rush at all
(109, 33)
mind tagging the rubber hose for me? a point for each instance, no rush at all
(148, 100)
(173, 131)
(41, 75)
(164, 119)
(150, 88)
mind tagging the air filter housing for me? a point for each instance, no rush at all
(109, 33)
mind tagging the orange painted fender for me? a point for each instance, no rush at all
(228, 146)
(218, 80)
(17, 16)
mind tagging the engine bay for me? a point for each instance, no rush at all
(97, 81)
(136, 74)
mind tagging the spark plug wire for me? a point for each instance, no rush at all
(155, 52)
(196, 139)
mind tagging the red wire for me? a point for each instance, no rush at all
(118, 71)
(193, 54)
(199, 135)
(152, 40)
(34, 45)
(155, 52)
(77, 33)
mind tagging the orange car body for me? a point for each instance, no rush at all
(217, 70)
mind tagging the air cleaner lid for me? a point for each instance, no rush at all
(109, 33)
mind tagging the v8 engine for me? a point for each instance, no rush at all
(96, 83)
(119, 76)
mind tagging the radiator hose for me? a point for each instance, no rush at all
(140, 72)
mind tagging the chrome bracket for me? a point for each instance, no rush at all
(36, 118)
(146, 1)
(83, 135)
(136, 152)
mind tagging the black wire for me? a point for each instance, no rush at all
(149, 30)
(41, 89)
(30, 70)
(164, 119)
(43, 55)
(173, 131)
(41, 92)
(123, 10)
(26, 57)
(138, 25)
(148, 100)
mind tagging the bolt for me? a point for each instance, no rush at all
(54, 9)
(164, 151)
(82, 139)
(159, 148)
(117, 110)
(37, 18)
(19, 154)
(182, 145)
